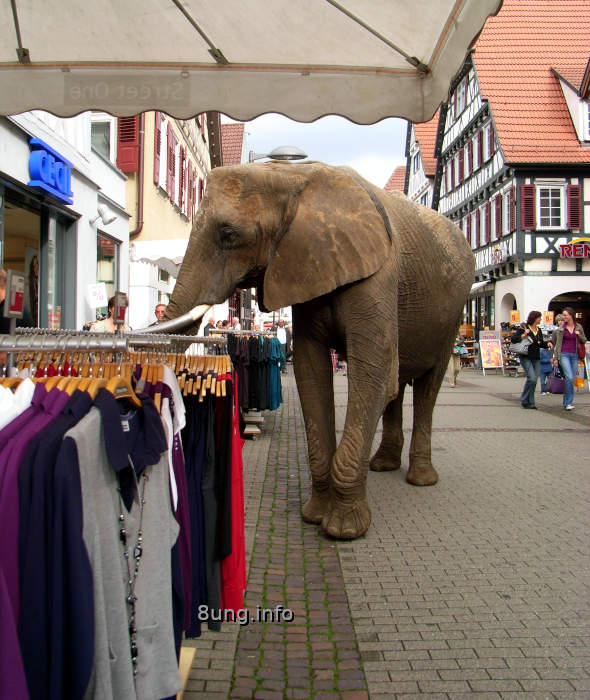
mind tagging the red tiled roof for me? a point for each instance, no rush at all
(232, 139)
(397, 180)
(514, 56)
(426, 137)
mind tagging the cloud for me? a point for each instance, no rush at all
(373, 150)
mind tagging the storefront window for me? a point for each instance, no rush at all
(20, 249)
(107, 266)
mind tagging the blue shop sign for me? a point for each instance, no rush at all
(50, 171)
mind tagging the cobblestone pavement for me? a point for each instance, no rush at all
(478, 585)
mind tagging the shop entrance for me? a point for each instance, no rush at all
(580, 303)
(39, 241)
(21, 251)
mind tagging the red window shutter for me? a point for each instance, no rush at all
(477, 227)
(461, 165)
(181, 174)
(487, 222)
(574, 206)
(157, 147)
(169, 159)
(189, 190)
(491, 141)
(468, 232)
(452, 173)
(128, 144)
(480, 147)
(455, 105)
(201, 189)
(469, 148)
(512, 208)
(527, 207)
(498, 212)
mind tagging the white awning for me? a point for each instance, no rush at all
(362, 59)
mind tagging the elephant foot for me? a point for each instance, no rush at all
(422, 474)
(317, 506)
(346, 521)
(384, 462)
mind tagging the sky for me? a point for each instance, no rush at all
(374, 151)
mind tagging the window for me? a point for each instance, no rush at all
(424, 199)
(102, 136)
(475, 229)
(586, 129)
(488, 142)
(415, 162)
(476, 152)
(508, 213)
(460, 98)
(550, 206)
(107, 265)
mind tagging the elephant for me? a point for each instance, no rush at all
(369, 273)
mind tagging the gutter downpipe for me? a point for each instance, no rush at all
(137, 230)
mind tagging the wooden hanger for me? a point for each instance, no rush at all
(120, 388)
(9, 382)
(95, 386)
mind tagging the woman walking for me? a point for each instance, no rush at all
(531, 360)
(567, 337)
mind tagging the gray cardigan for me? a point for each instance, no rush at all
(557, 339)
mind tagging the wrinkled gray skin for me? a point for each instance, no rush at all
(309, 235)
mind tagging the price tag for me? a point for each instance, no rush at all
(97, 295)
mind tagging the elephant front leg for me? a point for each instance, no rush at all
(389, 455)
(313, 372)
(426, 388)
(350, 515)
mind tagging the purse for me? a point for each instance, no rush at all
(522, 347)
(555, 384)
(581, 350)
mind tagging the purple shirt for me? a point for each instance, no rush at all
(569, 342)
(10, 460)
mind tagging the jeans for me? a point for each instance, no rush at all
(532, 369)
(544, 376)
(569, 366)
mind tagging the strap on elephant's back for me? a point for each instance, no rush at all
(378, 205)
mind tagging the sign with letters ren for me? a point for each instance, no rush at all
(50, 172)
(578, 248)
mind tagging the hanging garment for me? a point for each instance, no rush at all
(13, 404)
(57, 655)
(113, 455)
(233, 566)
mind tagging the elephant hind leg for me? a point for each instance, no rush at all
(389, 454)
(426, 388)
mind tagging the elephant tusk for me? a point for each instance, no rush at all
(177, 323)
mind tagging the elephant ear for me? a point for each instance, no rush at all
(336, 236)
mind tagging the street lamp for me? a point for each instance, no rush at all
(280, 153)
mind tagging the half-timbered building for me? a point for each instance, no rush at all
(421, 163)
(513, 160)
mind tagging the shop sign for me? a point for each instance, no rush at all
(499, 255)
(548, 317)
(15, 294)
(515, 316)
(578, 248)
(50, 172)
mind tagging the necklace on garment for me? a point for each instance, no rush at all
(131, 597)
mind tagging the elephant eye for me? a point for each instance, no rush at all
(229, 237)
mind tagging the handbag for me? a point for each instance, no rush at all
(581, 350)
(522, 347)
(555, 384)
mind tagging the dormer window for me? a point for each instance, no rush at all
(586, 121)
(460, 98)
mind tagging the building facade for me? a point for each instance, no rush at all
(63, 222)
(167, 162)
(513, 161)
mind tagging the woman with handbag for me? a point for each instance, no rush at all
(529, 338)
(570, 344)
